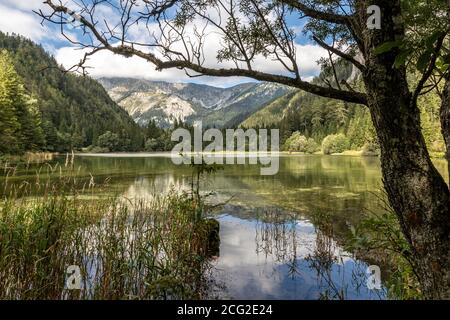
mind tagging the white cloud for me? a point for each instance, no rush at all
(17, 16)
(26, 23)
(25, 5)
(307, 57)
(107, 64)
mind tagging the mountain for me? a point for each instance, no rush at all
(75, 110)
(317, 117)
(165, 102)
(271, 114)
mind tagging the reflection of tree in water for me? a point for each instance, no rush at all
(277, 235)
(329, 262)
(324, 258)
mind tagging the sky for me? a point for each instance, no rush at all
(16, 16)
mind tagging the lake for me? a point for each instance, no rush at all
(273, 245)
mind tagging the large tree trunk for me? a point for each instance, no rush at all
(445, 117)
(416, 190)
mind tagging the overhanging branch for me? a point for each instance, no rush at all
(353, 97)
(316, 14)
(181, 62)
(341, 54)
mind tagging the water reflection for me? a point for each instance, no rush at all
(286, 258)
(280, 235)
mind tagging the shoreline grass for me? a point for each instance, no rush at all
(156, 248)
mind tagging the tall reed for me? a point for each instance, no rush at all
(125, 249)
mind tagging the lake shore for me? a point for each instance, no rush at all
(28, 157)
(226, 153)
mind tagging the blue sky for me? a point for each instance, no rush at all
(17, 16)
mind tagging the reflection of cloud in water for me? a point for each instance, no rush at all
(251, 273)
(257, 263)
(147, 187)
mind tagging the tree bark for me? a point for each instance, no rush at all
(445, 117)
(416, 191)
(445, 107)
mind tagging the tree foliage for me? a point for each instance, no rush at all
(20, 118)
(55, 111)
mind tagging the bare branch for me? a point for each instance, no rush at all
(341, 54)
(193, 60)
(431, 66)
(316, 14)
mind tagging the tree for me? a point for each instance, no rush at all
(152, 130)
(51, 136)
(426, 50)
(21, 119)
(8, 120)
(298, 143)
(32, 126)
(256, 28)
(445, 106)
(75, 106)
(110, 141)
(445, 116)
(335, 143)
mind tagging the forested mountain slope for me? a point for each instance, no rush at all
(74, 110)
(316, 117)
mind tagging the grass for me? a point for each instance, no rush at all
(142, 249)
(378, 237)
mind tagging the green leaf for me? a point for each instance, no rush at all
(400, 60)
(423, 60)
(441, 65)
(430, 41)
(446, 59)
(387, 46)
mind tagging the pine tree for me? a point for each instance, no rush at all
(34, 135)
(9, 125)
(51, 136)
(21, 110)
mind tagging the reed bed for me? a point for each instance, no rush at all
(124, 249)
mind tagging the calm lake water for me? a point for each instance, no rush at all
(273, 245)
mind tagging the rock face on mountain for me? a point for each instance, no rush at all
(166, 102)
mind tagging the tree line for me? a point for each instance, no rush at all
(45, 109)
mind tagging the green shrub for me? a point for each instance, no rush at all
(335, 143)
(312, 146)
(109, 140)
(95, 149)
(380, 235)
(154, 145)
(299, 143)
